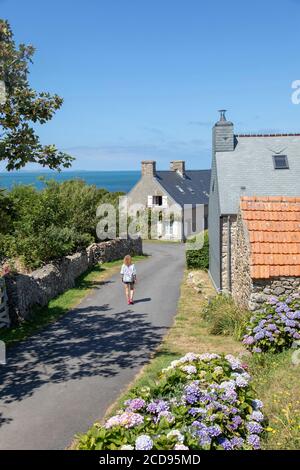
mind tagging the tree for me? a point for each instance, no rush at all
(21, 107)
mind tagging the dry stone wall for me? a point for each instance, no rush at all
(39, 287)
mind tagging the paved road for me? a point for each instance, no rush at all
(61, 380)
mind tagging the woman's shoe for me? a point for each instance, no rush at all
(131, 302)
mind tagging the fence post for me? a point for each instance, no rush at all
(4, 316)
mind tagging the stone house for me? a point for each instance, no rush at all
(177, 199)
(244, 165)
(266, 251)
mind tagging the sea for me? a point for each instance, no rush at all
(111, 180)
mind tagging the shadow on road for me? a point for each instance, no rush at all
(146, 299)
(86, 342)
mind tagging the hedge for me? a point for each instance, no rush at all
(199, 259)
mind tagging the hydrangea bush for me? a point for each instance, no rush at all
(277, 327)
(199, 402)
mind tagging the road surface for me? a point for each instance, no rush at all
(58, 382)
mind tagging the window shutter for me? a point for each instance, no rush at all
(150, 200)
(165, 201)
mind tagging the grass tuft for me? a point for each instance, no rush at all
(225, 318)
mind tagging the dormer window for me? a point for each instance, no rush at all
(280, 162)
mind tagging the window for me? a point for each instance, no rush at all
(157, 200)
(280, 162)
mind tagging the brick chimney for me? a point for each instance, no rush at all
(223, 134)
(148, 168)
(179, 166)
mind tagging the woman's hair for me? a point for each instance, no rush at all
(127, 260)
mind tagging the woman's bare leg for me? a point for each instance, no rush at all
(131, 294)
(127, 293)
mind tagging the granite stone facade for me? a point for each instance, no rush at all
(228, 236)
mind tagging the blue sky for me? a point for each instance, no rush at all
(144, 79)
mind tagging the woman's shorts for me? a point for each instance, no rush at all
(130, 284)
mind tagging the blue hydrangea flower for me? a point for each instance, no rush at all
(254, 427)
(257, 416)
(254, 441)
(143, 442)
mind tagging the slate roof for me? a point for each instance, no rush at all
(193, 188)
(249, 169)
(273, 224)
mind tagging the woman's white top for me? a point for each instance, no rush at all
(128, 272)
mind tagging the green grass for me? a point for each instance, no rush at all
(276, 381)
(41, 317)
(225, 318)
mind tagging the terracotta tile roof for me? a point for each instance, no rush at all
(273, 224)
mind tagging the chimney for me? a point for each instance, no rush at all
(179, 166)
(223, 134)
(148, 168)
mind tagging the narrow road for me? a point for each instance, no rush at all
(58, 382)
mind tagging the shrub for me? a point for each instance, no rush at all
(51, 223)
(225, 318)
(199, 402)
(199, 259)
(275, 328)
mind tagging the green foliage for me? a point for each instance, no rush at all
(199, 259)
(20, 106)
(6, 211)
(51, 223)
(225, 318)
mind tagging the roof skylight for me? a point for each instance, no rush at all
(280, 162)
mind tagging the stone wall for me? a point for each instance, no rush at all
(241, 280)
(39, 287)
(224, 249)
(263, 289)
(4, 316)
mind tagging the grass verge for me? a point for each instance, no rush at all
(59, 306)
(276, 380)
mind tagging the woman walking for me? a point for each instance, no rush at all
(128, 272)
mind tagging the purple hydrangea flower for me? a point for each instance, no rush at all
(225, 443)
(237, 442)
(157, 406)
(254, 441)
(254, 427)
(196, 411)
(214, 430)
(135, 404)
(248, 340)
(143, 442)
(257, 416)
(192, 393)
(236, 422)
